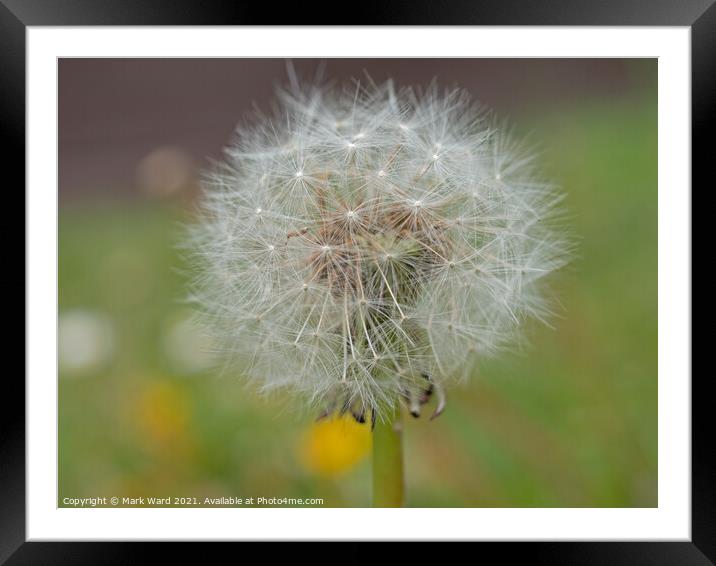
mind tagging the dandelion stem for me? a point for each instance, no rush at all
(388, 488)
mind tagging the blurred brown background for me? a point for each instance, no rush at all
(116, 113)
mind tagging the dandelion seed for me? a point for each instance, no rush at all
(379, 292)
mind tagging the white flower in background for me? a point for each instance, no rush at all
(187, 349)
(85, 341)
(364, 246)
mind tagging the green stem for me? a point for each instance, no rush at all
(388, 462)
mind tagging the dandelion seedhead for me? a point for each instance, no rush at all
(364, 245)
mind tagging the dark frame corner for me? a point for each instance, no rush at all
(16, 15)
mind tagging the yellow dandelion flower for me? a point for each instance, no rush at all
(331, 447)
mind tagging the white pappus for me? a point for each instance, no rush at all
(365, 244)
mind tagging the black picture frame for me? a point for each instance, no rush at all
(16, 15)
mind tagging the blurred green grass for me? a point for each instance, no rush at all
(571, 421)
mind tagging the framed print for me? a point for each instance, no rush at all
(428, 280)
